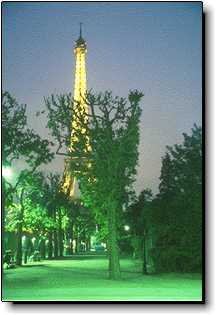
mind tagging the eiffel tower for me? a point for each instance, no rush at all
(70, 184)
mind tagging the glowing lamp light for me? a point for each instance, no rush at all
(127, 228)
(6, 172)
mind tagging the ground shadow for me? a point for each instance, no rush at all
(29, 266)
(82, 257)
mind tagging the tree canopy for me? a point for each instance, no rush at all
(104, 157)
(178, 205)
(20, 143)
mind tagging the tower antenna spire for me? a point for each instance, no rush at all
(80, 29)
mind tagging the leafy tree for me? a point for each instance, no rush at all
(52, 200)
(178, 206)
(28, 213)
(18, 140)
(139, 218)
(105, 156)
(19, 143)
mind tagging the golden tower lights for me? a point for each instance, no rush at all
(70, 184)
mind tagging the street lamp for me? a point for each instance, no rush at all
(127, 228)
(6, 172)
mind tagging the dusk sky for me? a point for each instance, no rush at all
(153, 47)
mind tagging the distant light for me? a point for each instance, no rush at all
(127, 228)
(6, 172)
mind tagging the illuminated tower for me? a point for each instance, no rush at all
(70, 184)
(80, 88)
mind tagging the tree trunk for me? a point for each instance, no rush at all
(50, 234)
(25, 257)
(88, 242)
(19, 245)
(144, 267)
(67, 241)
(19, 231)
(55, 237)
(60, 241)
(50, 245)
(55, 244)
(3, 217)
(60, 235)
(77, 246)
(42, 249)
(71, 238)
(114, 265)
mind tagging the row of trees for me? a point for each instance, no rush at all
(19, 143)
(164, 230)
(105, 172)
(44, 213)
(33, 203)
(171, 223)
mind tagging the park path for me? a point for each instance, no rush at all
(86, 278)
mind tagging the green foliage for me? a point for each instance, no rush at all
(18, 140)
(138, 212)
(107, 168)
(59, 116)
(20, 143)
(105, 154)
(35, 217)
(177, 210)
(182, 165)
(138, 217)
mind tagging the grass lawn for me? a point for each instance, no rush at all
(87, 279)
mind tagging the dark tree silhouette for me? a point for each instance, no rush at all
(178, 206)
(19, 143)
(104, 157)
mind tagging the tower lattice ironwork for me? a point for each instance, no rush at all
(70, 184)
